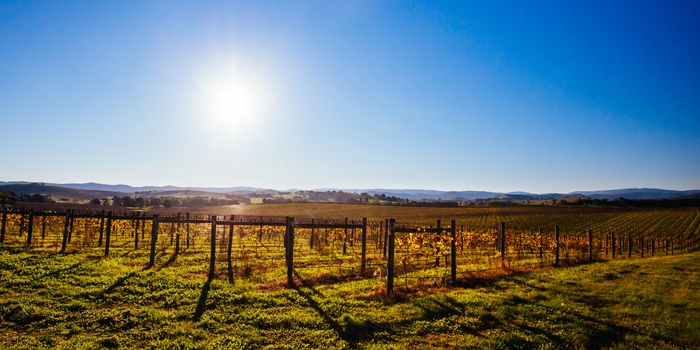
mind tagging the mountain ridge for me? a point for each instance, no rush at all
(414, 194)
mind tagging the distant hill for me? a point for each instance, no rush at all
(98, 190)
(628, 193)
(93, 186)
(427, 194)
(637, 193)
(57, 192)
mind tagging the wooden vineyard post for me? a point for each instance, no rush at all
(541, 243)
(65, 231)
(629, 245)
(3, 225)
(364, 246)
(177, 234)
(154, 239)
(390, 260)
(453, 252)
(612, 244)
(673, 244)
(556, 245)
(30, 227)
(502, 242)
(212, 254)
(143, 226)
(289, 239)
(386, 237)
(102, 228)
(43, 226)
(108, 233)
(653, 246)
(590, 245)
(172, 233)
(135, 223)
(284, 238)
(187, 230)
(136, 233)
(70, 225)
(641, 245)
(345, 237)
(620, 244)
(229, 251)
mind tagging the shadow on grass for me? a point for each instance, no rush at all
(55, 273)
(202, 302)
(168, 263)
(353, 330)
(601, 334)
(439, 307)
(118, 283)
(340, 331)
(309, 286)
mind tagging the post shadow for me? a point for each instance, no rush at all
(202, 302)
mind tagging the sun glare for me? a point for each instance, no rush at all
(231, 98)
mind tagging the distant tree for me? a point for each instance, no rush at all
(171, 202)
(95, 201)
(8, 198)
(127, 201)
(36, 197)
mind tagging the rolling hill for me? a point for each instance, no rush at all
(98, 190)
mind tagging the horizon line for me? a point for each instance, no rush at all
(345, 188)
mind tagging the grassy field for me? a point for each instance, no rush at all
(81, 300)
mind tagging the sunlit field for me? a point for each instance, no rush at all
(82, 300)
(641, 292)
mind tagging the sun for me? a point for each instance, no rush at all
(231, 97)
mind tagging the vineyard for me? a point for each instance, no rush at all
(422, 246)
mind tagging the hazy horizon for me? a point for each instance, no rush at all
(456, 96)
(354, 188)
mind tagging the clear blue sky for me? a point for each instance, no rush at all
(487, 95)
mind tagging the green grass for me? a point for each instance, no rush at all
(82, 300)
